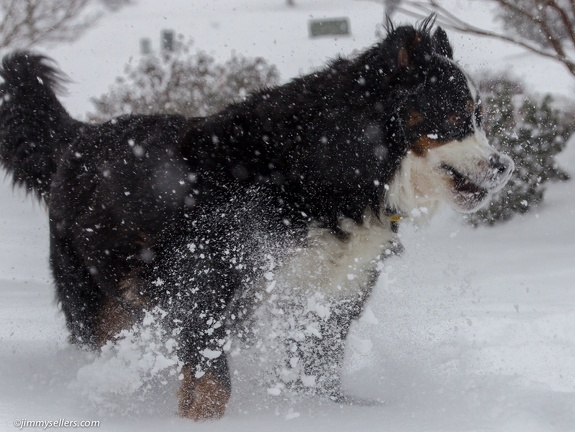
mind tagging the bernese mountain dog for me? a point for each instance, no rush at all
(292, 195)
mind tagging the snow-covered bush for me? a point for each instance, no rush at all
(182, 82)
(532, 132)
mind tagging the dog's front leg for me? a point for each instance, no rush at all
(200, 291)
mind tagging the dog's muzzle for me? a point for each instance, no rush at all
(501, 167)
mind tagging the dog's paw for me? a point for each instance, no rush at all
(202, 398)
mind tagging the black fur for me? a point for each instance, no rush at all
(163, 210)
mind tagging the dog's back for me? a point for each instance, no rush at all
(35, 129)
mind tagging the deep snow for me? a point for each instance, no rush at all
(470, 330)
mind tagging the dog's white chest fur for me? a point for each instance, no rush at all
(336, 268)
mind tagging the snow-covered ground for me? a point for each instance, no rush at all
(470, 330)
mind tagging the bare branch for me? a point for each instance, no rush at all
(572, 3)
(25, 23)
(550, 47)
(567, 24)
(543, 24)
(9, 6)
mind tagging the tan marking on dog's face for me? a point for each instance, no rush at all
(414, 118)
(430, 141)
(425, 143)
(203, 398)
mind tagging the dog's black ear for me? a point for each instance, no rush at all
(441, 43)
(414, 49)
(405, 51)
(403, 48)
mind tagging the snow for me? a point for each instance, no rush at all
(471, 330)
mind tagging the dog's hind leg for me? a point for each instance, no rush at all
(93, 315)
(121, 309)
(113, 317)
(79, 297)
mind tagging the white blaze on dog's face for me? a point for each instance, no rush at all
(450, 159)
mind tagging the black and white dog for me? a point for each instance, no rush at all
(292, 195)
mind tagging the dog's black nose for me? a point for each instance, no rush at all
(500, 164)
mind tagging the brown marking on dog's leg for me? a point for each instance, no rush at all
(203, 398)
(113, 318)
(119, 314)
(131, 289)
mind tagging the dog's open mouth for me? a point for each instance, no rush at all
(463, 185)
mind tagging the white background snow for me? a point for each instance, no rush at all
(470, 330)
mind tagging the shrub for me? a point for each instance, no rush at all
(532, 132)
(179, 82)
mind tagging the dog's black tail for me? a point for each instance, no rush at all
(35, 129)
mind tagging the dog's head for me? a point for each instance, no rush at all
(449, 157)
